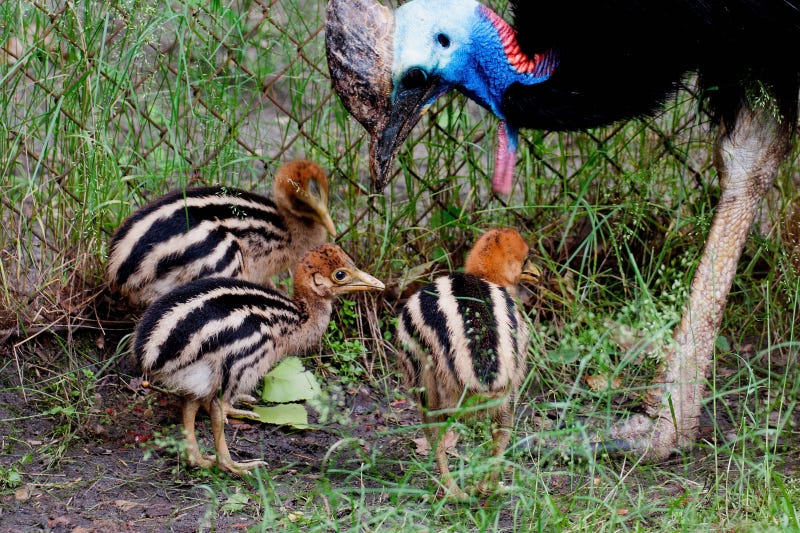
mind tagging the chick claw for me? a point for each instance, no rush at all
(244, 468)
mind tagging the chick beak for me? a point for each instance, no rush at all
(361, 281)
(415, 93)
(327, 221)
(319, 207)
(530, 271)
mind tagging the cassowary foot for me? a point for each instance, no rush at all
(243, 468)
(670, 424)
(196, 459)
(452, 492)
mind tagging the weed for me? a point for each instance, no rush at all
(346, 354)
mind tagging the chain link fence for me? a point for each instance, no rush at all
(106, 104)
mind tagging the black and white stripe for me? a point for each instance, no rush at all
(217, 333)
(467, 333)
(202, 232)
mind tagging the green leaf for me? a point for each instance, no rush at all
(286, 414)
(289, 382)
(235, 503)
(722, 344)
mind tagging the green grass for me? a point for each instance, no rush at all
(113, 103)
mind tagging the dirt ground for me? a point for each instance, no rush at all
(113, 476)
(108, 469)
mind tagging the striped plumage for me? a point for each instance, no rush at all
(213, 339)
(463, 314)
(463, 337)
(219, 232)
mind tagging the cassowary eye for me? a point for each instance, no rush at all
(415, 77)
(443, 39)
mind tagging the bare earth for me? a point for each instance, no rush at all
(118, 472)
(114, 477)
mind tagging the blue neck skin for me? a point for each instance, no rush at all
(484, 72)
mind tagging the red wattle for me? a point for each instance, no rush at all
(505, 160)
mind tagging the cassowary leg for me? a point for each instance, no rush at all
(502, 423)
(435, 433)
(192, 452)
(747, 157)
(224, 459)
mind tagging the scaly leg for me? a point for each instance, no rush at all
(502, 422)
(747, 159)
(228, 408)
(193, 455)
(435, 433)
(224, 459)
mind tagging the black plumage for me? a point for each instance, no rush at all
(619, 59)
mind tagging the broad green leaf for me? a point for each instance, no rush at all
(286, 414)
(235, 503)
(289, 382)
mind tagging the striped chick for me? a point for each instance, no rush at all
(219, 231)
(464, 339)
(213, 339)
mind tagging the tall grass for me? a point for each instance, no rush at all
(104, 105)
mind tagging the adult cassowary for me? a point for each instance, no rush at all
(572, 65)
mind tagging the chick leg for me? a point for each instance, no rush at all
(193, 455)
(434, 432)
(502, 422)
(229, 410)
(224, 459)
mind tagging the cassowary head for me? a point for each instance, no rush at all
(436, 46)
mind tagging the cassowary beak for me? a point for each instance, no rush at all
(359, 39)
(415, 93)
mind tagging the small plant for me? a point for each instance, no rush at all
(11, 476)
(162, 441)
(346, 354)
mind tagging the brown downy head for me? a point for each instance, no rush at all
(301, 188)
(327, 271)
(500, 256)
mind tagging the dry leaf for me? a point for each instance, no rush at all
(22, 494)
(600, 382)
(58, 521)
(126, 505)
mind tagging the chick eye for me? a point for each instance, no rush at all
(443, 40)
(340, 275)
